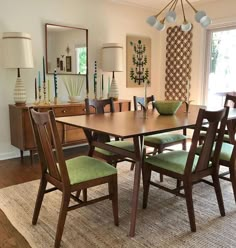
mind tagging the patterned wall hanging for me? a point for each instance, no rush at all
(138, 61)
(178, 64)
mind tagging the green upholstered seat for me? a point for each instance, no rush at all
(172, 161)
(121, 144)
(84, 168)
(164, 138)
(226, 136)
(225, 152)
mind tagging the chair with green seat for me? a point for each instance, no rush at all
(230, 101)
(189, 168)
(159, 141)
(68, 176)
(95, 106)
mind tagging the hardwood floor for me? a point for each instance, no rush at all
(15, 171)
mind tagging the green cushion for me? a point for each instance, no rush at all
(225, 153)
(172, 161)
(126, 145)
(84, 168)
(164, 138)
(226, 136)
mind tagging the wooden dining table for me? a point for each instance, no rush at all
(134, 125)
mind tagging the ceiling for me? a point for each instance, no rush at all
(154, 4)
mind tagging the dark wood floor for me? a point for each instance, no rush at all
(15, 171)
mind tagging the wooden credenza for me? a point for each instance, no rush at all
(22, 134)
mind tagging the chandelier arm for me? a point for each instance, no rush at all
(195, 10)
(183, 10)
(173, 6)
(165, 8)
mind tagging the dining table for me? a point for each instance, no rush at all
(132, 125)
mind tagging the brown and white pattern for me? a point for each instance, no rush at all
(178, 64)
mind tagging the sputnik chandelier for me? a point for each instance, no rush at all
(170, 16)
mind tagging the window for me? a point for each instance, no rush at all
(81, 60)
(221, 61)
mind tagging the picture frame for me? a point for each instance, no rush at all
(58, 62)
(138, 61)
(68, 63)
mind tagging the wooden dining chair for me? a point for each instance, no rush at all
(188, 167)
(159, 141)
(68, 176)
(95, 106)
(230, 101)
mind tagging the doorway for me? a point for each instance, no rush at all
(221, 65)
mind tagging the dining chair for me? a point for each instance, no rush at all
(159, 141)
(68, 176)
(230, 101)
(95, 106)
(188, 167)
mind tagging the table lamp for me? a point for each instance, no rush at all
(112, 61)
(17, 53)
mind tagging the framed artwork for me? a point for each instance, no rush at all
(68, 63)
(138, 61)
(61, 65)
(58, 62)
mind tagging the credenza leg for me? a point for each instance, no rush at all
(21, 155)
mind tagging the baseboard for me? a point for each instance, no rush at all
(9, 155)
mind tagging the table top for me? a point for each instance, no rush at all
(133, 123)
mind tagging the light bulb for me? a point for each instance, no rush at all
(199, 15)
(205, 21)
(151, 20)
(159, 25)
(186, 26)
(170, 16)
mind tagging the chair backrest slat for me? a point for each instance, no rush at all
(49, 145)
(139, 102)
(214, 137)
(99, 108)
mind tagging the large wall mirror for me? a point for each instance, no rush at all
(66, 49)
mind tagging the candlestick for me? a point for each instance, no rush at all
(44, 74)
(44, 92)
(39, 80)
(55, 82)
(49, 93)
(95, 79)
(35, 90)
(188, 91)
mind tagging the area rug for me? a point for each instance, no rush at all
(163, 224)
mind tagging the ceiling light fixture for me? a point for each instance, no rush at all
(170, 16)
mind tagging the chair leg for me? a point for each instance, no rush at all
(216, 183)
(178, 184)
(84, 194)
(62, 217)
(161, 177)
(113, 192)
(132, 166)
(39, 200)
(189, 202)
(146, 184)
(233, 179)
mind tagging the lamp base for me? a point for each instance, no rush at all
(114, 91)
(19, 92)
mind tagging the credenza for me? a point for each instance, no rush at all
(22, 134)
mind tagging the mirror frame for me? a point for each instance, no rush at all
(46, 49)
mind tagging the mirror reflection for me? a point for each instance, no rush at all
(66, 49)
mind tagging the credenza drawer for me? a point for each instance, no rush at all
(69, 111)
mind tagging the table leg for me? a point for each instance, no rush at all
(138, 148)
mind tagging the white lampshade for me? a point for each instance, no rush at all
(205, 21)
(17, 50)
(112, 57)
(159, 25)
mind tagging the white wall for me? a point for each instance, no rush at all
(106, 22)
